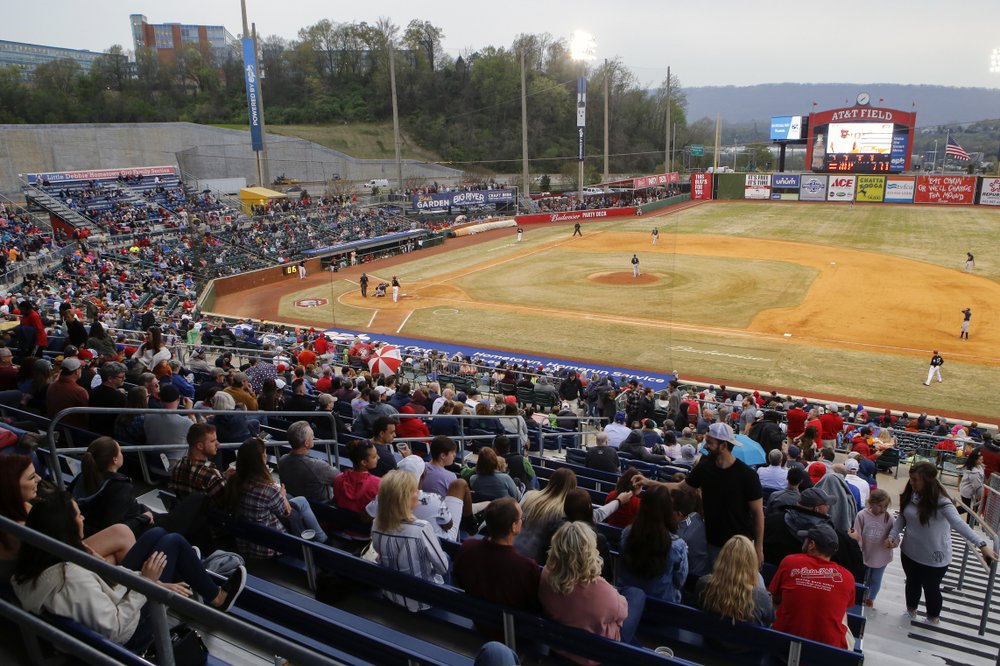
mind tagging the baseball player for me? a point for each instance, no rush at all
(936, 363)
(635, 266)
(520, 232)
(364, 284)
(301, 268)
(967, 316)
(576, 230)
(395, 289)
(970, 262)
(655, 235)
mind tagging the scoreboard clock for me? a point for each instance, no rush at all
(858, 162)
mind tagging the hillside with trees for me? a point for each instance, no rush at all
(466, 109)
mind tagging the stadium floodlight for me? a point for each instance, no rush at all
(582, 46)
(995, 62)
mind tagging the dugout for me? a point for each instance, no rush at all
(258, 196)
(339, 256)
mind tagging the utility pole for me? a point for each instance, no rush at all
(525, 175)
(395, 116)
(607, 72)
(666, 152)
(718, 126)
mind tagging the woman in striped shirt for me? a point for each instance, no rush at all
(403, 542)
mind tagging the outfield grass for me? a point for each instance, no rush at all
(891, 272)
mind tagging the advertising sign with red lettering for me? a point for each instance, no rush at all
(575, 215)
(757, 186)
(990, 195)
(945, 189)
(841, 188)
(701, 186)
(655, 181)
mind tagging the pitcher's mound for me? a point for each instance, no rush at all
(623, 278)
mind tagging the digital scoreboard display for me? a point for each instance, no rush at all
(859, 148)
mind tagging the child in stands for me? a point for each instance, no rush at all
(871, 527)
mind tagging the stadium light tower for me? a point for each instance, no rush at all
(582, 48)
(995, 69)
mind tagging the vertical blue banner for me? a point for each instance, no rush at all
(253, 93)
(581, 113)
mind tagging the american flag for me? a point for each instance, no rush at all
(955, 150)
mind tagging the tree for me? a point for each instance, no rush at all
(111, 69)
(425, 37)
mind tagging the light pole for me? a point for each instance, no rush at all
(995, 69)
(582, 48)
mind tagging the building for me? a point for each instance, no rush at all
(27, 57)
(168, 39)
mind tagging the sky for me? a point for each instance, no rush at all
(768, 41)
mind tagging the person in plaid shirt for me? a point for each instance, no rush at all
(195, 473)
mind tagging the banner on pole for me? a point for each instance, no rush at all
(253, 93)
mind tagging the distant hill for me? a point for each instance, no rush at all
(746, 104)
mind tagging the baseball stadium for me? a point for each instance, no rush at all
(264, 400)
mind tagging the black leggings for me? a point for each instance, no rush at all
(920, 577)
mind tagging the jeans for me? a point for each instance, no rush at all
(920, 577)
(636, 599)
(874, 577)
(182, 563)
(496, 654)
(303, 513)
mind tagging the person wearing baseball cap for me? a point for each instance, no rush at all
(65, 392)
(812, 593)
(730, 491)
(851, 466)
(443, 513)
(784, 525)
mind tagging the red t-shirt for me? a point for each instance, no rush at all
(321, 345)
(819, 429)
(306, 357)
(796, 422)
(832, 425)
(625, 515)
(812, 596)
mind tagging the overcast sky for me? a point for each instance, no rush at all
(850, 41)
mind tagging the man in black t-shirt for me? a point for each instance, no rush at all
(730, 493)
(602, 456)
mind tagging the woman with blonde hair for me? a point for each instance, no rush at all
(573, 593)
(733, 589)
(403, 542)
(543, 509)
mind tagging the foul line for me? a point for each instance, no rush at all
(374, 314)
(408, 315)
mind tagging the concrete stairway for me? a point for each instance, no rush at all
(57, 207)
(892, 639)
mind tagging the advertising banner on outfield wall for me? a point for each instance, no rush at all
(899, 189)
(945, 189)
(701, 186)
(474, 198)
(757, 186)
(840, 188)
(990, 196)
(870, 188)
(575, 216)
(785, 187)
(812, 188)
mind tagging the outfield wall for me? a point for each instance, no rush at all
(937, 189)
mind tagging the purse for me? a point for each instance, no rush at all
(187, 645)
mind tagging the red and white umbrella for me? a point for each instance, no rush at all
(385, 360)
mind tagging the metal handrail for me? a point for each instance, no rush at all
(54, 452)
(162, 598)
(989, 567)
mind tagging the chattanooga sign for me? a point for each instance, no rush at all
(436, 200)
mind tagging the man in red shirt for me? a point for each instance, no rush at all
(796, 420)
(65, 392)
(812, 593)
(832, 424)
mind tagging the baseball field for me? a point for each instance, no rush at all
(820, 299)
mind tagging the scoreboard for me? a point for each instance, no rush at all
(860, 139)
